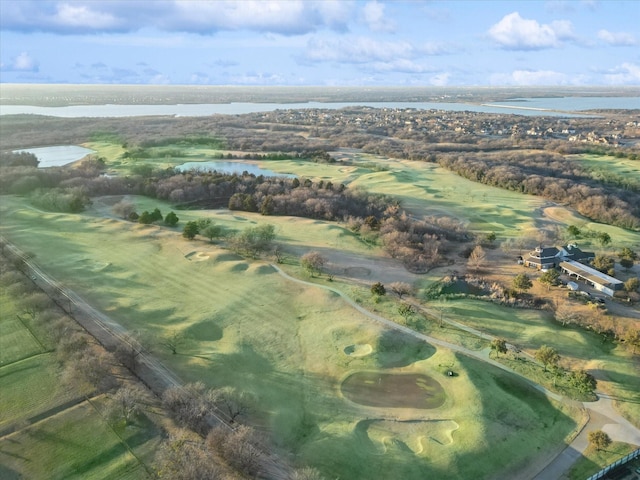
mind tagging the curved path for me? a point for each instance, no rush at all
(600, 414)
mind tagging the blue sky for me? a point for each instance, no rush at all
(299, 42)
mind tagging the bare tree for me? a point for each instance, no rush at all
(184, 458)
(229, 400)
(123, 209)
(401, 289)
(239, 447)
(312, 262)
(128, 351)
(128, 402)
(477, 258)
(172, 341)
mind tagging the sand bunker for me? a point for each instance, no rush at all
(358, 350)
(197, 256)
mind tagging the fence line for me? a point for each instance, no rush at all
(627, 458)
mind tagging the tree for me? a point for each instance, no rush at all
(583, 381)
(378, 289)
(182, 458)
(499, 345)
(145, 218)
(603, 238)
(631, 338)
(190, 230)
(171, 219)
(156, 215)
(127, 402)
(573, 231)
(632, 284)
(599, 439)
(213, 231)
(231, 401)
(253, 240)
(401, 289)
(128, 351)
(477, 258)
(406, 310)
(123, 209)
(312, 262)
(172, 341)
(547, 356)
(626, 252)
(522, 282)
(491, 237)
(565, 314)
(550, 278)
(604, 264)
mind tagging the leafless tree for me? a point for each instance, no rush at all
(229, 400)
(477, 258)
(128, 402)
(401, 289)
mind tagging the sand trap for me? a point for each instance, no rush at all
(197, 256)
(358, 350)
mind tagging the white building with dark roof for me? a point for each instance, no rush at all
(598, 280)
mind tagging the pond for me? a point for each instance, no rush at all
(231, 167)
(393, 390)
(58, 156)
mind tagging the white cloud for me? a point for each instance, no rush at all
(362, 50)
(286, 17)
(21, 63)
(530, 77)
(625, 74)
(376, 19)
(516, 33)
(84, 17)
(617, 38)
(440, 80)
(357, 50)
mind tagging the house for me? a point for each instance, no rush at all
(598, 280)
(572, 252)
(543, 258)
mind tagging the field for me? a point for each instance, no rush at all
(292, 347)
(47, 428)
(334, 389)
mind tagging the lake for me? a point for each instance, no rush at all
(561, 106)
(231, 167)
(59, 155)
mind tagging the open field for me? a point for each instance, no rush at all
(292, 347)
(76, 444)
(423, 188)
(48, 430)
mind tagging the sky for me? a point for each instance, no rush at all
(325, 43)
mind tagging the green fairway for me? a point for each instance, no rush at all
(291, 346)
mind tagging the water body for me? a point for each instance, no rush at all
(567, 104)
(230, 167)
(562, 106)
(59, 155)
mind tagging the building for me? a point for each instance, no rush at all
(598, 280)
(543, 258)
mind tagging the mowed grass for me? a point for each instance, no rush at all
(17, 341)
(75, 444)
(613, 365)
(30, 387)
(288, 345)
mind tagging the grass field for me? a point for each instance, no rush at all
(46, 433)
(424, 189)
(75, 444)
(291, 347)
